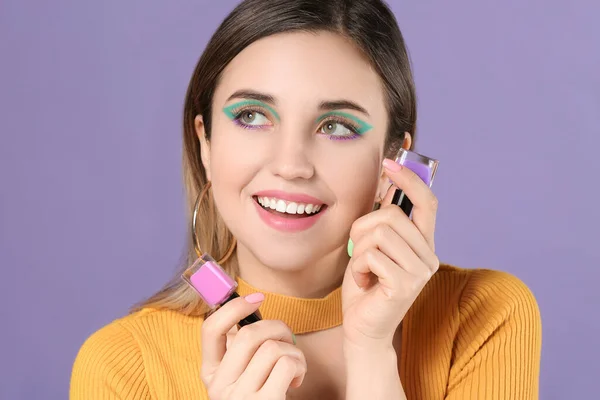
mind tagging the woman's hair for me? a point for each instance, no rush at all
(369, 24)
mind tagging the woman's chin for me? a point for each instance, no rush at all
(292, 258)
(288, 261)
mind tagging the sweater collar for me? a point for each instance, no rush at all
(301, 315)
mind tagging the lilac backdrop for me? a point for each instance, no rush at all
(91, 206)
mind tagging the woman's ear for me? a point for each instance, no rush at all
(384, 182)
(204, 144)
(407, 141)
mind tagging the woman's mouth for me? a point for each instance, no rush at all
(288, 209)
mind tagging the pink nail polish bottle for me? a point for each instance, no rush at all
(213, 285)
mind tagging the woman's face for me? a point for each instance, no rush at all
(298, 125)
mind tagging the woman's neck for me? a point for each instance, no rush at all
(312, 281)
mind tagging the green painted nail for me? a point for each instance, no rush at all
(350, 247)
(293, 338)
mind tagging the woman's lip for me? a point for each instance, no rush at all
(295, 197)
(288, 225)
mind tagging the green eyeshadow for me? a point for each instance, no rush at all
(362, 126)
(231, 111)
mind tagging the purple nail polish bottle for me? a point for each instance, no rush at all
(421, 165)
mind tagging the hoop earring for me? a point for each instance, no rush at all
(199, 199)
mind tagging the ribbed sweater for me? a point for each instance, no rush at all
(471, 334)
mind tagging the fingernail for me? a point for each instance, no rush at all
(350, 247)
(255, 298)
(391, 165)
(293, 338)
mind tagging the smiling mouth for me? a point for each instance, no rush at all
(288, 209)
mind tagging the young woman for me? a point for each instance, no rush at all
(292, 120)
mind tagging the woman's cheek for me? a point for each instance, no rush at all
(356, 186)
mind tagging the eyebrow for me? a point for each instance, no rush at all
(250, 94)
(342, 105)
(324, 105)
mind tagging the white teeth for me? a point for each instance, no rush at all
(280, 206)
(288, 207)
(291, 208)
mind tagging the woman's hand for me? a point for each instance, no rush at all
(393, 259)
(259, 361)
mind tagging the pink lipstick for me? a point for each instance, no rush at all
(288, 212)
(213, 285)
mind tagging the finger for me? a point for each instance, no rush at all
(246, 343)
(384, 238)
(374, 262)
(230, 336)
(389, 195)
(263, 362)
(216, 327)
(425, 204)
(285, 371)
(393, 216)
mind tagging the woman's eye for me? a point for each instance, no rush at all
(334, 128)
(253, 118)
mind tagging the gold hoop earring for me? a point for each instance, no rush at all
(194, 231)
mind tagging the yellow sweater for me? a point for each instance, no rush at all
(471, 334)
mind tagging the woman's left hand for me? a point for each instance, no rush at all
(393, 259)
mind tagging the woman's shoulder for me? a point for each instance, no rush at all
(139, 327)
(476, 301)
(499, 289)
(487, 327)
(116, 354)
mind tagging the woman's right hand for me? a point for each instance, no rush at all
(260, 362)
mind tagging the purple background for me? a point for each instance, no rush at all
(91, 205)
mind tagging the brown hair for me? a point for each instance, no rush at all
(369, 24)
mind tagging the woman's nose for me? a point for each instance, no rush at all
(291, 158)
